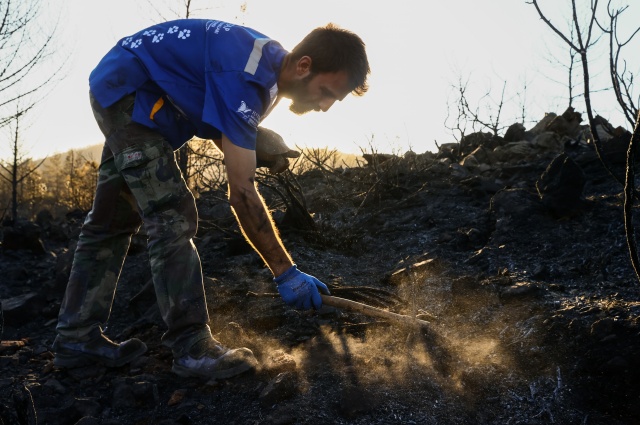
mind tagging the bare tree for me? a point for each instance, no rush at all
(621, 78)
(622, 82)
(570, 65)
(18, 168)
(26, 54)
(471, 116)
(585, 39)
(80, 175)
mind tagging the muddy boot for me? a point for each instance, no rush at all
(208, 359)
(102, 350)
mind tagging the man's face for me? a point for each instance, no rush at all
(318, 92)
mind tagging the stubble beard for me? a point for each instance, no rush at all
(299, 109)
(298, 106)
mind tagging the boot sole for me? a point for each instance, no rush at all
(70, 361)
(186, 372)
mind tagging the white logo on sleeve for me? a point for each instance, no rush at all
(248, 114)
(243, 109)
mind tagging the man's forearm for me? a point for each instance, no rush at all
(260, 231)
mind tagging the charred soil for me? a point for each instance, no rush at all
(533, 310)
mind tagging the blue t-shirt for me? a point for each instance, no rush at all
(193, 77)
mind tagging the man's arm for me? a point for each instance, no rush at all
(250, 210)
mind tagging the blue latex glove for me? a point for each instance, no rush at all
(300, 290)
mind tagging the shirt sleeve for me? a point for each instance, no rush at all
(234, 105)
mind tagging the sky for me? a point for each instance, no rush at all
(418, 51)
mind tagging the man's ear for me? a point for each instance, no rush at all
(303, 66)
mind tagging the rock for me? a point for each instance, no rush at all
(513, 151)
(279, 362)
(478, 157)
(514, 133)
(23, 308)
(280, 388)
(470, 162)
(145, 392)
(177, 397)
(514, 202)
(410, 155)
(24, 235)
(55, 386)
(471, 142)
(397, 277)
(458, 171)
(378, 158)
(543, 123)
(482, 184)
(603, 328)
(521, 291)
(603, 128)
(233, 331)
(548, 141)
(448, 152)
(561, 186)
(567, 124)
(88, 420)
(614, 150)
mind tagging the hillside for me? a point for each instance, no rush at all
(512, 248)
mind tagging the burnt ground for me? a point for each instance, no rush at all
(534, 313)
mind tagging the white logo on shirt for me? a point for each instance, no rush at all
(248, 114)
(243, 109)
(218, 25)
(156, 37)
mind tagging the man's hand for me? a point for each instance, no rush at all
(300, 290)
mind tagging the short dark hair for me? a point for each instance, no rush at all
(334, 49)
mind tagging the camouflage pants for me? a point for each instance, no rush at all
(139, 183)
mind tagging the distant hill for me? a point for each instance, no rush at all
(94, 152)
(90, 153)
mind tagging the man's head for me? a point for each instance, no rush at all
(328, 64)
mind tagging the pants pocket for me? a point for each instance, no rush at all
(153, 176)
